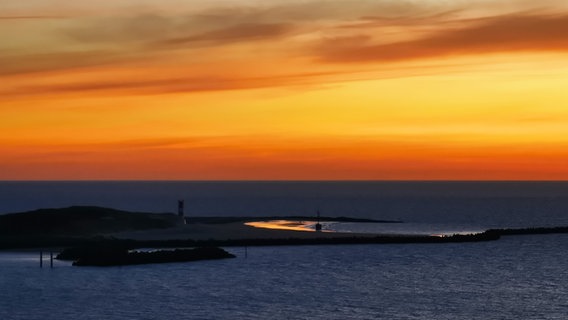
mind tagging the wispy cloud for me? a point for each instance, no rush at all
(31, 17)
(378, 21)
(166, 85)
(56, 61)
(241, 32)
(508, 33)
(307, 38)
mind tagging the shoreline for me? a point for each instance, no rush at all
(314, 238)
(59, 243)
(75, 226)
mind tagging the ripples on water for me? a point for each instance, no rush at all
(522, 277)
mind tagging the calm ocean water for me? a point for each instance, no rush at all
(520, 277)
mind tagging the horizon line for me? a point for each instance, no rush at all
(286, 180)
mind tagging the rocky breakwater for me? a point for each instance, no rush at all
(103, 256)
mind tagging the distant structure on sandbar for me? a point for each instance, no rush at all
(318, 224)
(181, 214)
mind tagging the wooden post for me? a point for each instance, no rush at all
(246, 252)
(41, 259)
(51, 259)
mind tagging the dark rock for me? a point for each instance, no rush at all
(119, 256)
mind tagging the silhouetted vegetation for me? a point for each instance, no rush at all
(81, 220)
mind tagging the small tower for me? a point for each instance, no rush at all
(318, 224)
(180, 210)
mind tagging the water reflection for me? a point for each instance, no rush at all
(286, 225)
(372, 228)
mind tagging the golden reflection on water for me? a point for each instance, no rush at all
(284, 225)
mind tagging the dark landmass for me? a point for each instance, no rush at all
(529, 231)
(81, 221)
(118, 255)
(131, 244)
(87, 226)
(95, 248)
(90, 221)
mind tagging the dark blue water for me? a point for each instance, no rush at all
(519, 277)
(522, 277)
(463, 204)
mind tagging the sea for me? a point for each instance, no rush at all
(516, 277)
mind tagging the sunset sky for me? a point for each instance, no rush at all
(284, 90)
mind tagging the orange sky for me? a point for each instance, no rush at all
(285, 90)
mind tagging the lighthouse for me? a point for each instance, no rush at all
(180, 210)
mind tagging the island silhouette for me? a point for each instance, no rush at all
(107, 236)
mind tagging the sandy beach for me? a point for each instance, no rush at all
(226, 231)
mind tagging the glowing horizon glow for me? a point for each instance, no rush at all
(289, 90)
